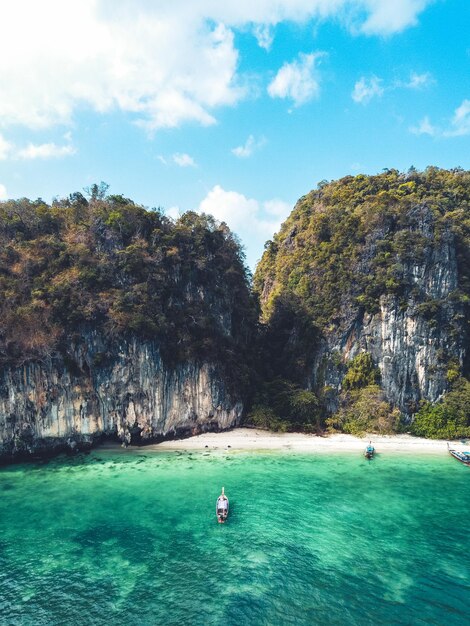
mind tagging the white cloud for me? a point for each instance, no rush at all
(264, 35)
(419, 81)
(184, 160)
(9, 150)
(387, 17)
(367, 88)
(252, 220)
(3, 192)
(231, 207)
(44, 151)
(5, 148)
(460, 123)
(148, 60)
(298, 81)
(174, 212)
(166, 63)
(279, 208)
(247, 149)
(424, 128)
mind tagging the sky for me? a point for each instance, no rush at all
(233, 108)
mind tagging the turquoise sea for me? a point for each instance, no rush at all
(124, 538)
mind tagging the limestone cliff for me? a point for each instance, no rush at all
(411, 348)
(378, 265)
(129, 395)
(117, 321)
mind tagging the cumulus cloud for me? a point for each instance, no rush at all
(139, 58)
(184, 160)
(387, 17)
(174, 212)
(252, 220)
(424, 128)
(244, 214)
(232, 207)
(5, 148)
(298, 81)
(264, 35)
(44, 151)
(246, 150)
(460, 123)
(419, 81)
(3, 192)
(9, 150)
(458, 126)
(165, 63)
(277, 207)
(367, 88)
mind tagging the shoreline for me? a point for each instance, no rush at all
(256, 439)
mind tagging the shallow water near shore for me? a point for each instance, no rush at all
(131, 538)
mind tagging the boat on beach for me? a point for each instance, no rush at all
(463, 457)
(369, 451)
(221, 507)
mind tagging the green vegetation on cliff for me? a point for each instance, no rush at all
(106, 264)
(362, 404)
(348, 241)
(346, 246)
(109, 264)
(448, 419)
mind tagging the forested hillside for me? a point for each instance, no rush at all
(110, 264)
(366, 289)
(118, 321)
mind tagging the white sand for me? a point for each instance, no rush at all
(257, 439)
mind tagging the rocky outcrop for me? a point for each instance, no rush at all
(413, 337)
(122, 390)
(117, 321)
(377, 265)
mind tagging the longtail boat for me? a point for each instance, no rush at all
(221, 507)
(369, 451)
(463, 457)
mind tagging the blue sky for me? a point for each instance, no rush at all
(234, 108)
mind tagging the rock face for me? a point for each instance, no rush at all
(128, 393)
(411, 349)
(379, 265)
(117, 321)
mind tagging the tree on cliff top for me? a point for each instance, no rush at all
(112, 265)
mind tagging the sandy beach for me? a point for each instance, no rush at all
(257, 439)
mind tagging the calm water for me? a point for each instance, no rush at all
(132, 538)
